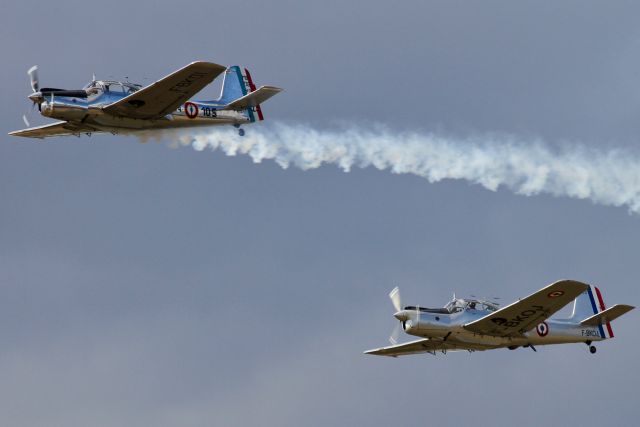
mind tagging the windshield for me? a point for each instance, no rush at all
(113, 87)
(130, 88)
(457, 305)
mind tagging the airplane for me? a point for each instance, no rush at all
(480, 324)
(123, 107)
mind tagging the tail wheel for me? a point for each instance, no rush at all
(592, 349)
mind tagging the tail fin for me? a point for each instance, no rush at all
(233, 85)
(588, 304)
(237, 83)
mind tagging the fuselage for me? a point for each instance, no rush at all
(440, 324)
(88, 110)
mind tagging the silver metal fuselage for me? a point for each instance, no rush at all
(89, 111)
(446, 326)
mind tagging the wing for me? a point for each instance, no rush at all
(167, 94)
(54, 129)
(426, 345)
(525, 314)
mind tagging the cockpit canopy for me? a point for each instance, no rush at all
(109, 86)
(458, 304)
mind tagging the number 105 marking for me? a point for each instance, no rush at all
(209, 112)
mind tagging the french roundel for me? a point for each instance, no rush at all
(555, 294)
(191, 110)
(542, 329)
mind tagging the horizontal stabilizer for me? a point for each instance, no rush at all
(254, 98)
(607, 316)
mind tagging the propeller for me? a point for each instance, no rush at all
(393, 338)
(29, 113)
(394, 296)
(33, 76)
(36, 96)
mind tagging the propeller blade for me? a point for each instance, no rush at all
(28, 115)
(393, 339)
(33, 76)
(394, 295)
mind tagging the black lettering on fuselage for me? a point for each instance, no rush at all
(519, 318)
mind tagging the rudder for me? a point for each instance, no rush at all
(237, 83)
(588, 304)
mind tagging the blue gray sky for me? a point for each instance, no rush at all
(146, 285)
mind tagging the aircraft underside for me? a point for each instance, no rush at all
(170, 122)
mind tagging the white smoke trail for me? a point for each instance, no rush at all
(525, 167)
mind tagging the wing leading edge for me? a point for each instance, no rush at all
(525, 314)
(54, 129)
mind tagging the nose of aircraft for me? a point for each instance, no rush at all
(36, 97)
(401, 315)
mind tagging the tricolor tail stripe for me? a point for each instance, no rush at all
(603, 308)
(595, 309)
(253, 88)
(243, 86)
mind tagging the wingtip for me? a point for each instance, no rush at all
(375, 352)
(207, 64)
(571, 282)
(272, 88)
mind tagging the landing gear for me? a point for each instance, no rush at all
(592, 348)
(240, 131)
